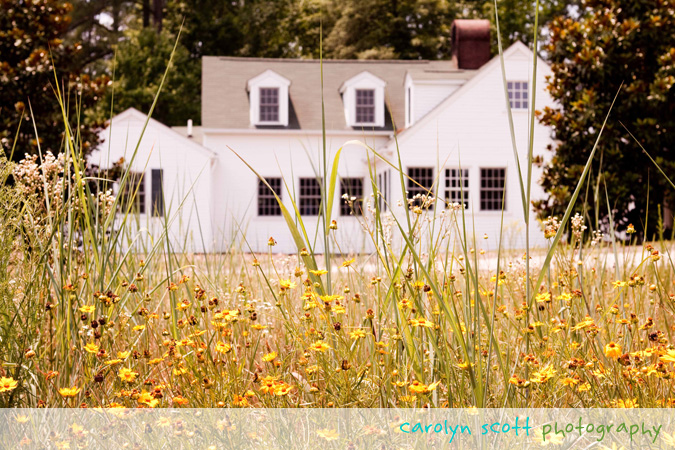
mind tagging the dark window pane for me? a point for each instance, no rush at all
(269, 104)
(310, 197)
(157, 194)
(365, 106)
(267, 203)
(492, 189)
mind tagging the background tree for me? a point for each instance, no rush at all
(32, 34)
(386, 29)
(516, 18)
(609, 43)
(140, 64)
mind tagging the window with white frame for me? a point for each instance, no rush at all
(420, 182)
(492, 187)
(363, 99)
(310, 197)
(365, 106)
(267, 202)
(269, 104)
(351, 196)
(457, 186)
(269, 99)
(518, 94)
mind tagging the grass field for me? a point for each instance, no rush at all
(91, 325)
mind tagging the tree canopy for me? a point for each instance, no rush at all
(141, 62)
(32, 44)
(611, 43)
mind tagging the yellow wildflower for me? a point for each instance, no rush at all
(146, 399)
(69, 392)
(329, 435)
(319, 346)
(420, 388)
(7, 384)
(543, 375)
(223, 348)
(127, 375)
(270, 357)
(612, 350)
(91, 348)
(348, 262)
(420, 322)
(357, 334)
(669, 357)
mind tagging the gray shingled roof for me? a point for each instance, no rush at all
(225, 101)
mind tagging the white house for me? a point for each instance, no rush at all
(448, 118)
(174, 176)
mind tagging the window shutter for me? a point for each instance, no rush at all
(157, 192)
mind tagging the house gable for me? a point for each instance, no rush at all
(133, 115)
(517, 52)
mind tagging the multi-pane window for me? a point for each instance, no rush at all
(421, 181)
(267, 202)
(492, 182)
(518, 97)
(133, 194)
(352, 188)
(269, 104)
(457, 186)
(157, 192)
(365, 106)
(310, 197)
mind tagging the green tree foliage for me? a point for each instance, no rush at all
(97, 25)
(255, 28)
(385, 29)
(208, 27)
(610, 43)
(140, 64)
(32, 35)
(517, 17)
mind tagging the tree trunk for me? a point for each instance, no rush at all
(146, 13)
(157, 14)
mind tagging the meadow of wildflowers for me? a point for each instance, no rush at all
(86, 323)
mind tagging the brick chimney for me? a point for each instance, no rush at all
(470, 43)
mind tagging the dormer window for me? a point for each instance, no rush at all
(363, 99)
(365, 106)
(268, 94)
(269, 104)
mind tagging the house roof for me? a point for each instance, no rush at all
(136, 115)
(225, 99)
